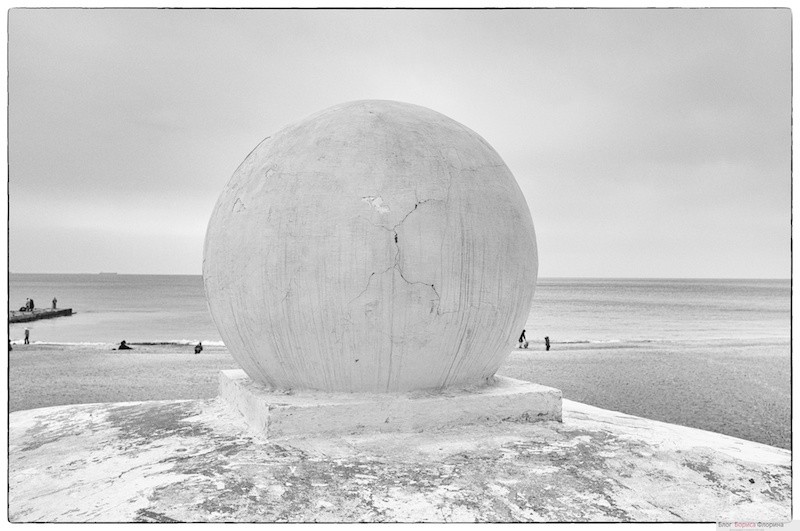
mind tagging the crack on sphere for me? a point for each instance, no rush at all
(397, 254)
(396, 264)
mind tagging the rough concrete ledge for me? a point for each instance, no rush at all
(281, 414)
(196, 461)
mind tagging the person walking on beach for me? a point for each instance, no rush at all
(523, 343)
(54, 302)
(198, 348)
(27, 336)
(547, 342)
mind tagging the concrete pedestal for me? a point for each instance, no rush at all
(280, 414)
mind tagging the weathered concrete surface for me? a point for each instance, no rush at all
(280, 414)
(376, 246)
(195, 461)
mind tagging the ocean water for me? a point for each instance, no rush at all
(173, 309)
(110, 308)
(660, 310)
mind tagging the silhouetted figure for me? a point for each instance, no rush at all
(547, 342)
(31, 304)
(198, 348)
(54, 302)
(124, 346)
(27, 336)
(523, 343)
(27, 305)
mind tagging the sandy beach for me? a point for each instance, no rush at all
(739, 390)
(54, 375)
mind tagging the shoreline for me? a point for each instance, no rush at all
(534, 346)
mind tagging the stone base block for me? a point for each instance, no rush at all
(281, 413)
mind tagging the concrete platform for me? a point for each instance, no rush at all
(280, 414)
(197, 461)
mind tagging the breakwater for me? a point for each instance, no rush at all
(35, 315)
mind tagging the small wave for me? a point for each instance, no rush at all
(586, 341)
(64, 343)
(176, 342)
(666, 340)
(182, 342)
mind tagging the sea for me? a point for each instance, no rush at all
(172, 309)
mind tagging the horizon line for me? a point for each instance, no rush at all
(114, 273)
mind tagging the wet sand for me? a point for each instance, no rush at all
(739, 390)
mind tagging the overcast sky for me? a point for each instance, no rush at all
(648, 143)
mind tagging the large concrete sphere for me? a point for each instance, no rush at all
(376, 246)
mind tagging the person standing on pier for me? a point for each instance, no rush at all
(54, 302)
(27, 336)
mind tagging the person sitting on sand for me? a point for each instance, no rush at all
(124, 346)
(198, 348)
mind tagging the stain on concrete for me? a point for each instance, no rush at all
(53, 428)
(143, 515)
(155, 420)
(193, 461)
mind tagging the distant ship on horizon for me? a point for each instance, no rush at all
(106, 273)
